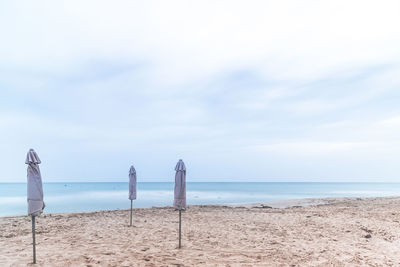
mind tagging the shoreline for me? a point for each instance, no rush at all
(277, 204)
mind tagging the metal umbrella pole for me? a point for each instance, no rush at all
(34, 239)
(131, 211)
(180, 227)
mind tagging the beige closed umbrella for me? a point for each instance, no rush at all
(180, 192)
(34, 192)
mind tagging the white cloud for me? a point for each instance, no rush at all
(188, 40)
(311, 148)
(210, 80)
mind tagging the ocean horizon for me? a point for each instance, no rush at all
(92, 196)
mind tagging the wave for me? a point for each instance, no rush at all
(166, 195)
(13, 200)
(146, 195)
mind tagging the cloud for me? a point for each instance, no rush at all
(224, 81)
(313, 148)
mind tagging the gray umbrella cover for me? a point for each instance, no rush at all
(34, 189)
(132, 183)
(180, 186)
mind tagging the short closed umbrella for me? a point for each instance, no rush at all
(132, 187)
(180, 192)
(34, 192)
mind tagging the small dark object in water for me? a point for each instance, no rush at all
(368, 236)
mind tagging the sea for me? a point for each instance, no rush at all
(83, 197)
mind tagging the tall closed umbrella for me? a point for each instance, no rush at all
(34, 192)
(132, 187)
(180, 192)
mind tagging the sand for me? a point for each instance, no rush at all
(325, 232)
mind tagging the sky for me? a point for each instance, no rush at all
(253, 90)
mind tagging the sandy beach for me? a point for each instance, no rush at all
(317, 232)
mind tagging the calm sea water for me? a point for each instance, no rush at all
(72, 197)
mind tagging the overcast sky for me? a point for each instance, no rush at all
(240, 90)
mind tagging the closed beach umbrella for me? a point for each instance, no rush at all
(180, 186)
(180, 192)
(34, 191)
(132, 187)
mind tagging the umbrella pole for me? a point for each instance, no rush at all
(34, 239)
(131, 211)
(180, 227)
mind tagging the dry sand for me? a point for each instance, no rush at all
(342, 232)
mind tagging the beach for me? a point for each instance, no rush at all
(311, 232)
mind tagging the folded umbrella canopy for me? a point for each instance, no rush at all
(180, 186)
(132, 183)
(132, 187)
(35, 189)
